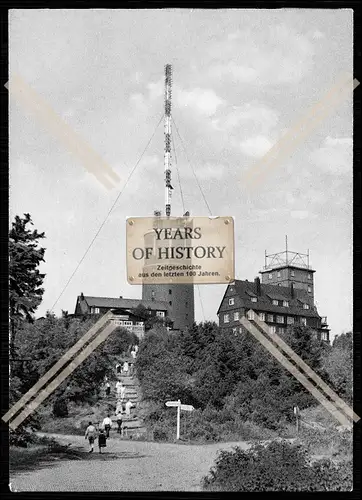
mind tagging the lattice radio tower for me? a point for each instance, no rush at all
(167, 155)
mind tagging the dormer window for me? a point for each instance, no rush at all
(231, 301)
(254, 299)
(285, 303)
(306, 306)
(275, 302)
(250, 314)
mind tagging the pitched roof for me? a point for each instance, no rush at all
(268, 292)
(118, 303)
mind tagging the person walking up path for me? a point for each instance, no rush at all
(108, 389)
(129, 405)
(102, 440)
(107, 424)
(90, 434)
(125, 368)
(120, 390)
(119, 422)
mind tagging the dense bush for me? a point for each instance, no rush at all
(60, 407)
(233, 377)
(278, 466)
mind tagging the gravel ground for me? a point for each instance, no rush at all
(125, 466)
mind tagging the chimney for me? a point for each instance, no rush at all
(292, 290)
(81, 296)
(258, 287)
(121, 296)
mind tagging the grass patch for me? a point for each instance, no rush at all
(41, 451)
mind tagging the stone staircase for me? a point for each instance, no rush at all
(133, 424)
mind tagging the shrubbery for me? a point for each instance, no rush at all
(229, 379)
(277, 466)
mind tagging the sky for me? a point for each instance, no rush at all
(241, 78)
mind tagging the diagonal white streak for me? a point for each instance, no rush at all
(295, 372)
(58, 365)
(301, 129)
(312, 375)
(62, 376)
(38, 106)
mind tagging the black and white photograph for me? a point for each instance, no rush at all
(181, 249)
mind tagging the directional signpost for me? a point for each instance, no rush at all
(179, 407)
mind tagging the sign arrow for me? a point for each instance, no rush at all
(187, 407)
(173, 403)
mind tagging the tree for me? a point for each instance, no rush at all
(338, 364)
(25, 280)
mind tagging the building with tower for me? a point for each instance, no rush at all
(283, 297)
(172, 302)
(179, 297)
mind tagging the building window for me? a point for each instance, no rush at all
(231, 301)
(127, 323)
(278, 275)
(139, 323)
(254, 299)
(235, 330)
(292, 273)
(310, 276)
(325, 336)
(303, 321)
(169, 291)
(280, 319)
(262, 316)
(270, 276)
(285, 303)
(170, 302)
(290, 320)
(160, 314)
(236, 316)
(309, 289)
(226, 318)
(280, 329)
(275, 302)
(305, 306)
(250, 314)
(272, 329)
(270, 317)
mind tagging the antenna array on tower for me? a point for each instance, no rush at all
(167, 156)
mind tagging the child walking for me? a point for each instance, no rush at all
(102, 440)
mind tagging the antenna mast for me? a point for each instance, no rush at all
(167, 157)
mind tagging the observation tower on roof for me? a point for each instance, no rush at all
(287, 267)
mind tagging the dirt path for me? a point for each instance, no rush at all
(126, 466)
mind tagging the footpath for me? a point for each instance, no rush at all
(125, 465)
